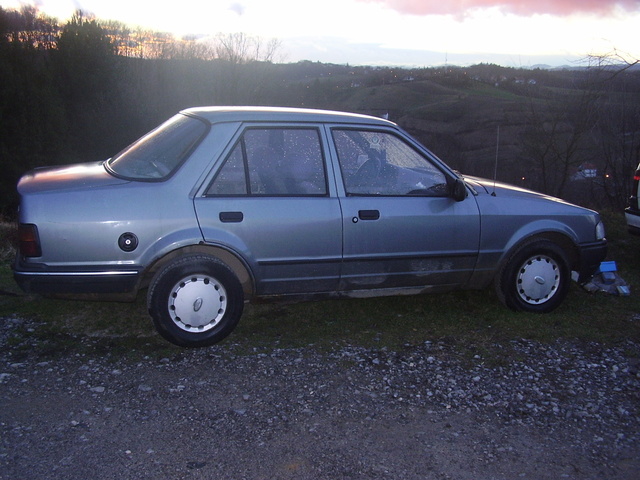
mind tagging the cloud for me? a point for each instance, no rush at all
(518, 7)
(237, 7)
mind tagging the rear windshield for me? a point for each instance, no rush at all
(160, 152)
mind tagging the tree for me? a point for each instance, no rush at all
(618, 126)
(596, 122)
(244, 63)
(29, 27)
(88, 79)
(85, 42)
(240, 49)
(559, 137)
(557, 140)
(32, 118)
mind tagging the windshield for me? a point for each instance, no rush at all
(160, 152)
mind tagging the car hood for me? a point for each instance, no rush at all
(486, 186)
(67, 177)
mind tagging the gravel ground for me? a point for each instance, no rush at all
(538, 411)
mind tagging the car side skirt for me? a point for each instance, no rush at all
(78, 282)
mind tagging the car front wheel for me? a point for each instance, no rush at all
(195, 301)
(536, 278)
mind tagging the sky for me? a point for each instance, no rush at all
(513, 33)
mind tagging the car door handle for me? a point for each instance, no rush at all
(231, 217)
(369, 214)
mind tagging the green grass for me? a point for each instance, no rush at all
(474, 321)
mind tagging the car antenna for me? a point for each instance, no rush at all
(495, 167)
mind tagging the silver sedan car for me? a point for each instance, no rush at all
(218, 206)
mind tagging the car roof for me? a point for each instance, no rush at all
(281, 114)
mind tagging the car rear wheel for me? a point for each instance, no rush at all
(195, 301)
(536, 278)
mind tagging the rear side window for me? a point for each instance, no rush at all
(159, 153)
(273, 162)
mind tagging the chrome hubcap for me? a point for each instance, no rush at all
(538, 279)
(197, 303)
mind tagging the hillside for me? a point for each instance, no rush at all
(540, 126)
(81, 99)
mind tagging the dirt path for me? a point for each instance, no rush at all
(561, 411)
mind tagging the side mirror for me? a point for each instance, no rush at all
(458, 190)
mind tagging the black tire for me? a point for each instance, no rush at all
(536, 278)
(195, 301)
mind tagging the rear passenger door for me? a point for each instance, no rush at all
(270, 202)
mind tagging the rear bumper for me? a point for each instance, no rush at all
(38, 278)
(591, 255)
(633, 220)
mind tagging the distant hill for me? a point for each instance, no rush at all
(550, 122)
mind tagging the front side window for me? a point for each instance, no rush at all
(160, 152)
(273, 161)
(380, 163)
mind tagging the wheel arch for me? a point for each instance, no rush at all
(229, 258)
(563, 241)
(566, 243)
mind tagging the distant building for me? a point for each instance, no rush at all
(585, 171)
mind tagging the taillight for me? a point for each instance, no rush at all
(28, 240)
